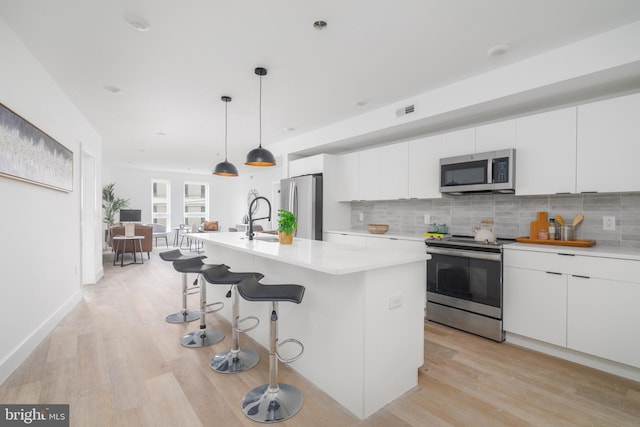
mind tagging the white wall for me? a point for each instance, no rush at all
(227, 196)
(41, 228)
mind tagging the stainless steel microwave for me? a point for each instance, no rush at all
(490, 172)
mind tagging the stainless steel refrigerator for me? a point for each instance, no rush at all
(302, 195)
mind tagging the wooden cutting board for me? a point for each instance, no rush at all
(541, 223)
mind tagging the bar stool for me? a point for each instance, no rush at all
(203, 336)
(184, 315)
(236, 359)
(273, 402)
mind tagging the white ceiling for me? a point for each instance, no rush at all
(170, 115)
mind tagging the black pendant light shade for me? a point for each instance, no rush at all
(225, 168)
(260, 156)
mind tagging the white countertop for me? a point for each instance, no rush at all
(387, 235)
(326, 257)
(595, 251)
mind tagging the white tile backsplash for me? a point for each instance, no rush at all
(511, 214)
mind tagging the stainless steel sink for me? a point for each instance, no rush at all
(264, 237)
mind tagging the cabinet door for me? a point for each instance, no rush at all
(603, 319)
(459, 143)
(383, 172)
(348, 169)
(496, 136)
(307, 165)
(546, 152)
(535, 304)
(424, 168)
(609, 145)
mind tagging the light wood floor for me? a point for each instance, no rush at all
(118, 363)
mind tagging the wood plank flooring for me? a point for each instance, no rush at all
(118, 363)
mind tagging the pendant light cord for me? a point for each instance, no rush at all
(260, 115)
(226, 106)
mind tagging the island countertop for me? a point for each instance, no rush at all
(326, 257)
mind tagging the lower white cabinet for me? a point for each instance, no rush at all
(583, 303)
(603, 318)
(535, 304)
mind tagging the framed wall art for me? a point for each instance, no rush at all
(28, 154)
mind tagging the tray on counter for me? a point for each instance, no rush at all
(574, 243)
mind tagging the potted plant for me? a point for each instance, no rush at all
(111, 205)
(287, 225)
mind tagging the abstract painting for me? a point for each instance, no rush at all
(28, 154)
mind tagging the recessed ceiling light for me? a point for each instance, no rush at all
(161, 134)
(137, 23)
(115, 90)
(360, 103)
(320, 25)
(288, 129)
(498, 50)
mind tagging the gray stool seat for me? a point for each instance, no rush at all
(185, 315)
(273, 402)
(202, 337)
(237, 359)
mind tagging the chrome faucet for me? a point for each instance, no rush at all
(251, 219)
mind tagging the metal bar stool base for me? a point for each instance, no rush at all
(266, 406)
(202, 338)
(183, 316)
(230, 362)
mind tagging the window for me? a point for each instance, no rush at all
(196, 203)
(161, 202)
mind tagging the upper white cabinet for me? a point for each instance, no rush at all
(459, 143)
(348, 167)
(496, 136)
(424, 167)
(307, 165)
(609, 145)
(383, 172)
(546, 153)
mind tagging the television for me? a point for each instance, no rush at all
(130, 215)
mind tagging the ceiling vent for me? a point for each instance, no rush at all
(405, 110)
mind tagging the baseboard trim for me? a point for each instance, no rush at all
(26, 347)
(594, 362)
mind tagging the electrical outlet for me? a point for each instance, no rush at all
(427, 218)
(395, 301)
(360, 216)
(609, 223)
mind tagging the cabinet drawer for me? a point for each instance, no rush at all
(540, 261)
(604, 268)
(622, 270)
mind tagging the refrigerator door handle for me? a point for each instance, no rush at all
(294, 200)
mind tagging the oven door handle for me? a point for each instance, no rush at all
(466, 254)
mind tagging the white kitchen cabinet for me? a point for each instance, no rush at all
(609, 145)
(546, 153)
(424, 167)
(459, 143)
(348, 169)
(603, 318)
(535, 304)
(383, 172)
(307, 165)
(591, 301)
(496, 136)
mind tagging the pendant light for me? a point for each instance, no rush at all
(225, 168)
(260, 156)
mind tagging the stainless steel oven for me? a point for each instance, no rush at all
(464, 285)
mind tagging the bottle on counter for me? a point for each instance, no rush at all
(552, 229)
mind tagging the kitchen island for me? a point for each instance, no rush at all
(361, 320)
